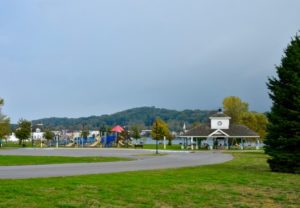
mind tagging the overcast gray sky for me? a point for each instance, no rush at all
(73, 58)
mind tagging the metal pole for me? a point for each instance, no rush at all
(156, 137)
(31, 135)
(57, 141)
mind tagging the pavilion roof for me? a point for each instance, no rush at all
(233, 131)
(219, 115)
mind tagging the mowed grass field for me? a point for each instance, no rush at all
(245, 181)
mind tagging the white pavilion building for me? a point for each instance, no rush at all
(220, 134)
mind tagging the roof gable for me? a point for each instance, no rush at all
(218, 133)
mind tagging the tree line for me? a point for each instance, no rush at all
(142, 116)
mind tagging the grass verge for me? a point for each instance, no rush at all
(9, 160)
(161, 147)
(245, 181)
(151, 154)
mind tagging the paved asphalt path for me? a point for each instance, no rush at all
(171, 160)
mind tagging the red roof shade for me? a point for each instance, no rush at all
(118, 129)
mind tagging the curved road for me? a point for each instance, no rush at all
(171, 160)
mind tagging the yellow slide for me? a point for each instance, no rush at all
(94, 144)
(72, 144)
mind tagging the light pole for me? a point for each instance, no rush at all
(83, 134)
(57, 138)
(31, 135)
(156, 137)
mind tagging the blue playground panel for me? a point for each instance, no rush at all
(88, 140)
(108, 140)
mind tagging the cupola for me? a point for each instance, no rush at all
(219, 120)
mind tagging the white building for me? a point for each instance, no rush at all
(38, 134)
(12, 138)
(220, 134)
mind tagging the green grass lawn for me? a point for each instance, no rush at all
(8, 160)
(245, 181)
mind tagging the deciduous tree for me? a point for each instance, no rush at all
(48, 135)
(135, 132)
(255, 121)
(238, 111)
(235, 108)
(159, 129)
(23, 131)
(84, 133)
(4, 123)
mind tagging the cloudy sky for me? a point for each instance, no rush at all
(73, 58)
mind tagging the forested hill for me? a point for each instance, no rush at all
(143, 116)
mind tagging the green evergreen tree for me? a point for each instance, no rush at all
(283, 137)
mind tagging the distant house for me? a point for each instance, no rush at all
(38, 134)
(146, 133)
(220, 134)
(12, 138)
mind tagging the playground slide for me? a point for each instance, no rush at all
(94, 144)
(121, 143)
(72, 144)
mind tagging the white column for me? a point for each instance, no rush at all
(227, 144)
(192, 145)
(197, 147)
(242, 144)
(213, 143)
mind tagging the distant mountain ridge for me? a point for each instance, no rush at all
(143, 116)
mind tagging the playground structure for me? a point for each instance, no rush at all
(105, 142)
(117, 137)
(79, 141)
(71, 144)
(115, 141)
(94, 144)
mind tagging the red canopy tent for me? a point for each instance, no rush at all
(117, 129)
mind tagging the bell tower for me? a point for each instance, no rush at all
(219, 120)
